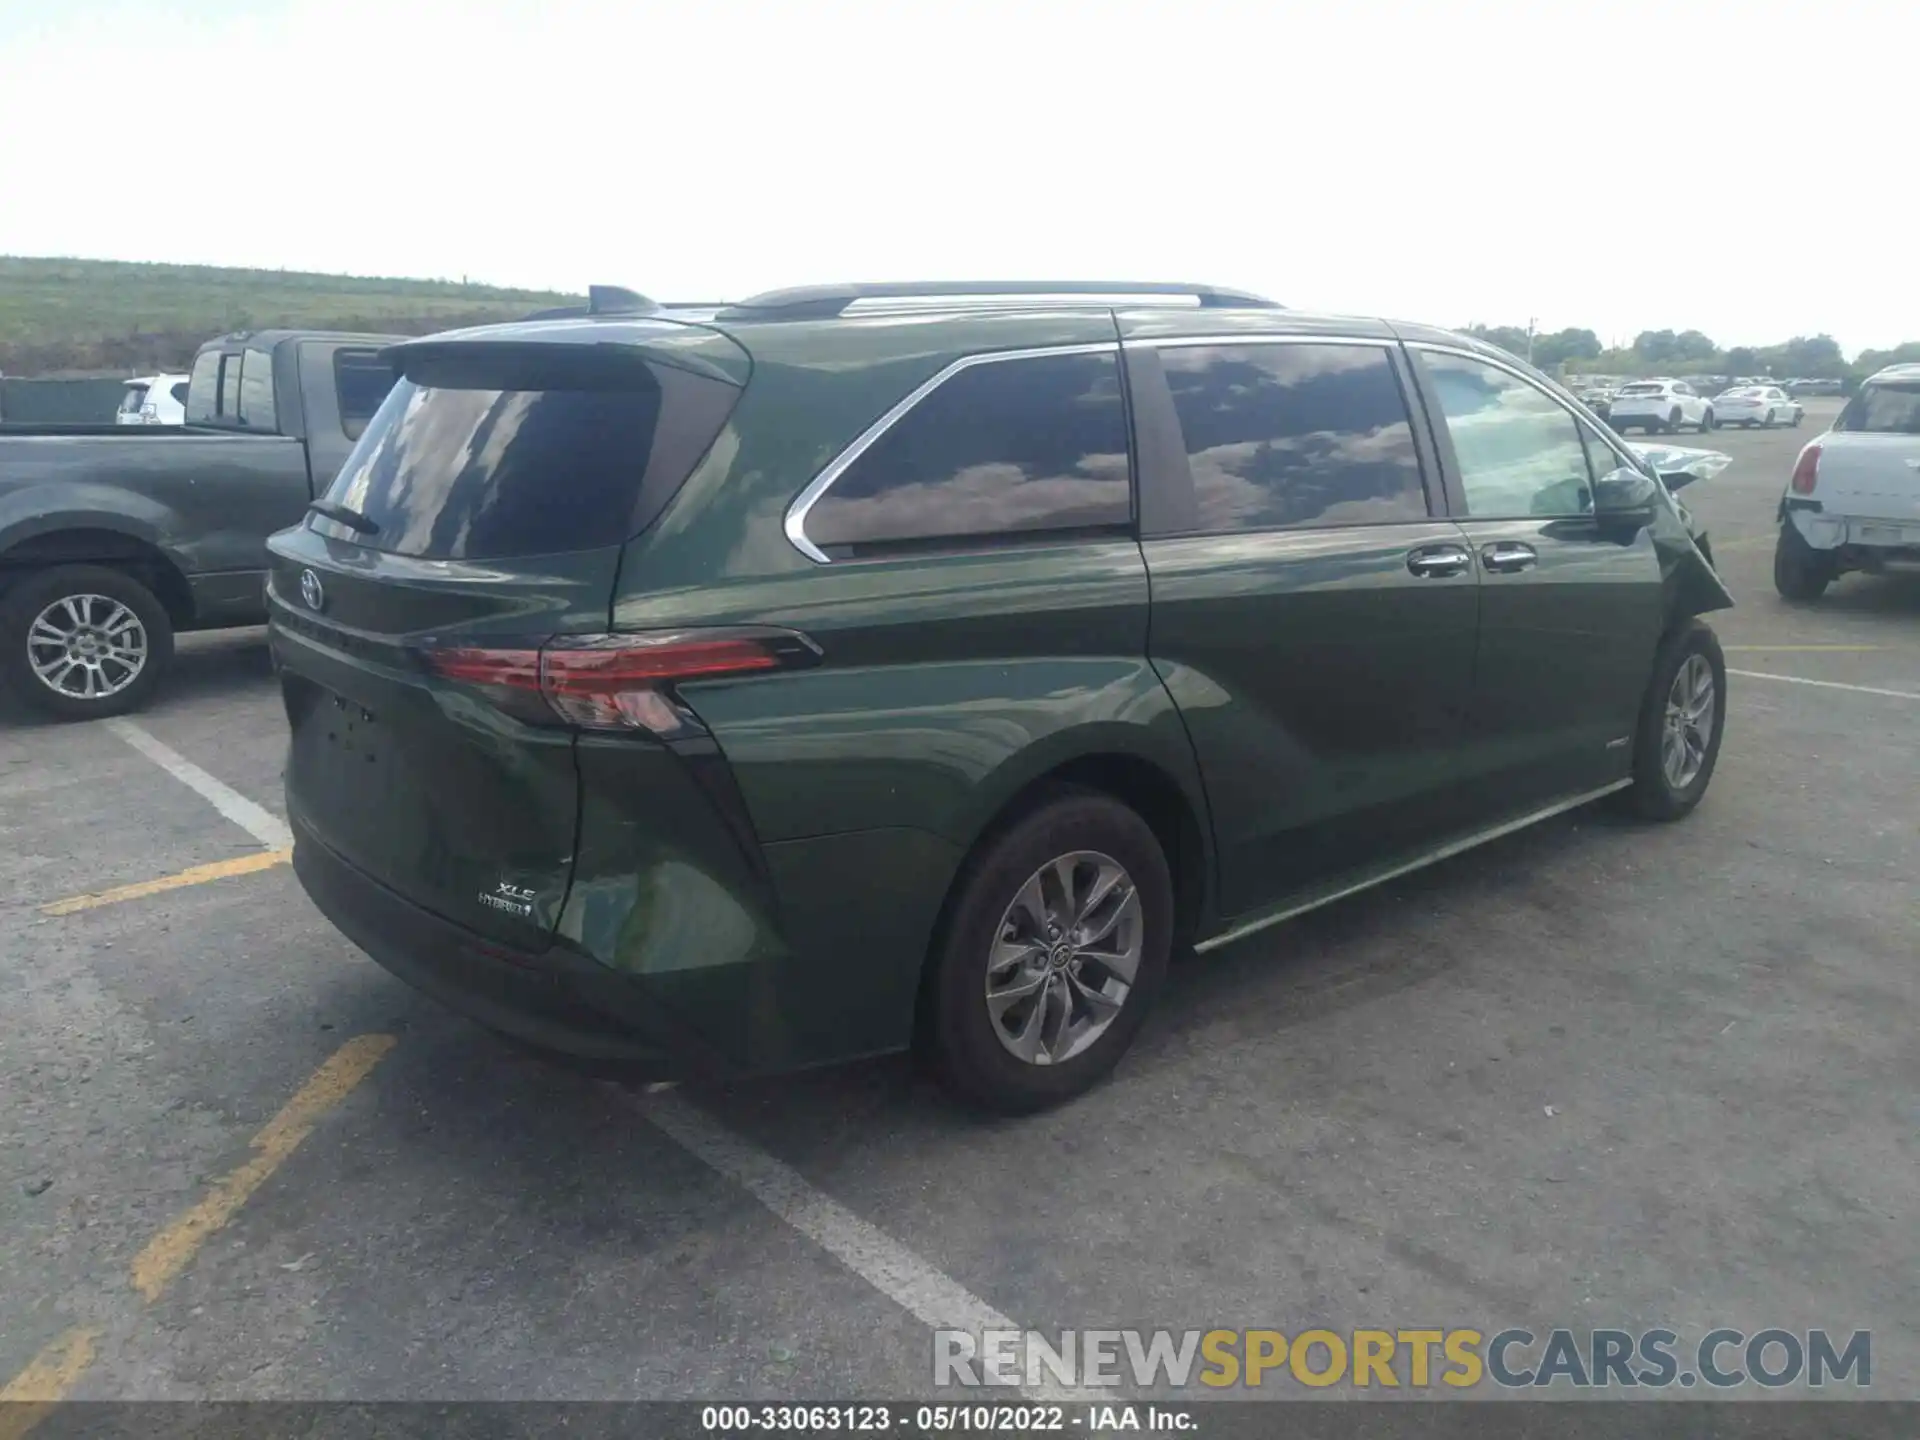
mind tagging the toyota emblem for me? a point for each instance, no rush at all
(312, 591)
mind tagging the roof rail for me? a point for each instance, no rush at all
(823, 302)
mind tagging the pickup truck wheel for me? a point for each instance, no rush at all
(1682, 720)
(83, 641)
(1800, 572)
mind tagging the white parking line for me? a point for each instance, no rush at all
(930, 1295)
(264, 826)
(1827, 684)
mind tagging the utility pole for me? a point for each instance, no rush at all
(1532, 321)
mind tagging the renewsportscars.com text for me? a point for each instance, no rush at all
(1458, 1358)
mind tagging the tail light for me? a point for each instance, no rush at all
(616, 682)
(1806, 472)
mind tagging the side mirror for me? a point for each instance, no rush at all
(1624, 495)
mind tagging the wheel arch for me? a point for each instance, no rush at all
(96, 540)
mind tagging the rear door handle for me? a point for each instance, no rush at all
(1508, 556)
(1431, 562)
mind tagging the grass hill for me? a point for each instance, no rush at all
(111, 316)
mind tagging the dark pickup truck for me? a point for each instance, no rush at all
(114, 538)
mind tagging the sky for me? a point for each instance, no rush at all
(1741, 169)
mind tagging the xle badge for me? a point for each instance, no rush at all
(510, 898)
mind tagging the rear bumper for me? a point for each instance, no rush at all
(1824, 530)
(557, 1001)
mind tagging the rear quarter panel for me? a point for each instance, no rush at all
(207, 501)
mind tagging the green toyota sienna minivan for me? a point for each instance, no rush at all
(732, 688)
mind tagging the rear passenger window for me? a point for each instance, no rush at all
(256, 391)
(1287, 435)
(229, 386)
(1518, 449)
(203, 388)
(1001, 448)
(361, 379)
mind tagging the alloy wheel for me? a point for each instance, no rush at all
(1064, 957)
(87, 647)
(1688, 731)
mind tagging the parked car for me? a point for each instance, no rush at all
(1659, 407)
(1597, 398)
(1762, 405)
(742, 688)
(154, 400)
(1853, 502)
(112, 539)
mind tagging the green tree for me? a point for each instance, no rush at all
(1551, 352)
(1869, 361)
(1654, 346)
(1742, 360)
(1510, 338)
(1692, 345)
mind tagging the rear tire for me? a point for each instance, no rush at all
(1706, 421)
(75, 627)
(1677, 742)
(1011, 929)
(1672, 427)
(1800, 572)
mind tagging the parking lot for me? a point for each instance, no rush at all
(1596, 1074)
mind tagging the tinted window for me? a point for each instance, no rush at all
(361, 379)
(203, 387)
(459, 469)
(1889, 409)
(229, 386)
(1518, 450)
(1003, 447)
(256, 391)
(131, 402)
(1282, 435)
(179, 393)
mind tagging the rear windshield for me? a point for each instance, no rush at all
(131, 402)
(1642, 389)
(1883, 409)
(495, 460)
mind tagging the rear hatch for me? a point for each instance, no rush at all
(480, 516)
(1870, 462)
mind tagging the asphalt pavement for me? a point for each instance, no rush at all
(1596, 1074)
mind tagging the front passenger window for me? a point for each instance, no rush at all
(1519, 451)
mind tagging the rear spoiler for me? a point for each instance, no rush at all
(525, 355)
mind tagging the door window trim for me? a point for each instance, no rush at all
(1443, 436)
(1166, 488)
(796, 519)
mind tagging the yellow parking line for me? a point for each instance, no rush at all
(198, 875)
(169, 1252)
(26, 1398)
(1764, 649)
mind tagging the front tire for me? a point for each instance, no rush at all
(81, 642)
(1055, 946)
(1706, 421)
(1766, 421)
(1682, 720)
(1800, 572)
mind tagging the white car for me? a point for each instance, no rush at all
(154, 400)
(1854, 500)
(1762, 405)
(1659, 407)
